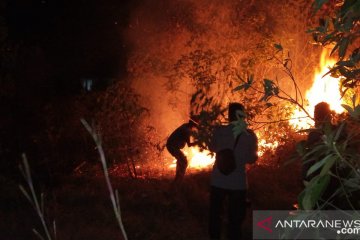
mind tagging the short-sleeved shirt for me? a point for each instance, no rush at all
(245, 152)
(179, 137)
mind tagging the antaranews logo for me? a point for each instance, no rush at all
(266, 224)
(306, 225)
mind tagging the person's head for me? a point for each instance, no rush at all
(234, 110)
(322, 113)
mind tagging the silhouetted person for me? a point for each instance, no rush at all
(177, 141)
(323, 124)
(322, 118)
(234, 185)
(333, 196)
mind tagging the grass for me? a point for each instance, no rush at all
(82, 208)
(37, 203)
(114, 195)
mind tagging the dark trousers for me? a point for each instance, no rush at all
(236, 212)
(181, 163)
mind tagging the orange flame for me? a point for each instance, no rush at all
(324, 89)
(264, 146)
(197, 159)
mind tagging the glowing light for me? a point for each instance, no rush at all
(264, 146)
(196, 158)
(200, 159)
(324, 89)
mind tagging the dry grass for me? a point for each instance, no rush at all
(82, 207)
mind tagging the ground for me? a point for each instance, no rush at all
(82, 208)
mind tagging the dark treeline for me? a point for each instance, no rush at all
(49, 51)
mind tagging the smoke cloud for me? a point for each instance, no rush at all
(161, 32)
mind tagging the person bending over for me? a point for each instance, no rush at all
(177, 141)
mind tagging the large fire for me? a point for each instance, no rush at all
(197, 159)
(324, 89)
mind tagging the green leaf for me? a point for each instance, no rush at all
(268, 82)
(307, 202)
(352, 183)
(328, 165)
(356, 112)
(240, 126)
(317, 166)
(244, 86)
(318, 150)
(319, 187)
(314, 191)
(346, 63)
(238, 88)
(355, 100)
(348, 108)
(343, 47)
(270, 89)
(301, 199)
(240, 115)
(339, 130)
(334, 48)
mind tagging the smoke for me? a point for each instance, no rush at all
(240, 32)
(158, 34)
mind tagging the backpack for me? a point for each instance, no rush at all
(225, 159)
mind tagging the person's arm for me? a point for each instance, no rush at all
(191, 144)
(187, 135)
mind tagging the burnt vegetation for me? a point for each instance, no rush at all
(134, 70)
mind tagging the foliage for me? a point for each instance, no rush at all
(214, 80)
(208, 113)
(275, 101)
(272, 88)
(198, 66)
(354, 110)
(120, 116)
(341, 31)
(335, 159)
(266, 114)
(205, 45)
(62, 145)
(335, 167)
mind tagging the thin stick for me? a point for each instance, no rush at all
(25, 170)
(113, 195)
